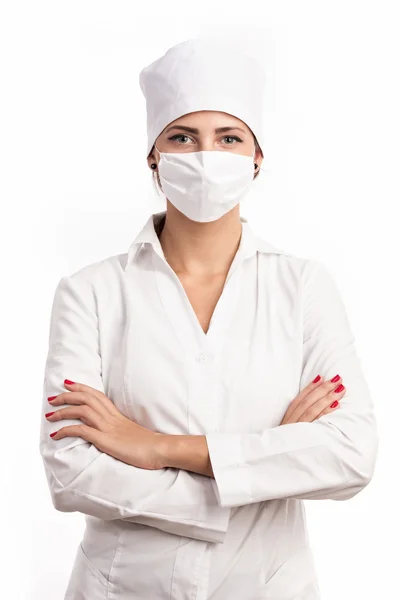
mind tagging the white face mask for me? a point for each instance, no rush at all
(207, 184)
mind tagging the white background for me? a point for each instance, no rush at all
(76, 188)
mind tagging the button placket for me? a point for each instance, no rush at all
(204, 357)
(202, 350)
(203, 385)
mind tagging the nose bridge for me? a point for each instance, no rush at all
(207, 141)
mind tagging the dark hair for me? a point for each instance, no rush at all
(156, 181)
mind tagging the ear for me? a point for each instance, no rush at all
(258, 159)
(151, 158)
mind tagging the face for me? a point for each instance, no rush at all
(206, 130)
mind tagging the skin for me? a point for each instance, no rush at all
(198, 252)
(111, 432)
(203, 249)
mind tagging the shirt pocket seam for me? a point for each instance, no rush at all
(98, 574)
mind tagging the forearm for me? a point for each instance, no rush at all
(84, 479)
(187, 452)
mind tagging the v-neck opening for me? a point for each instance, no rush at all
(205, 335)
(182, 316)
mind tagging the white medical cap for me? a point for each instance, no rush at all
(203, 74)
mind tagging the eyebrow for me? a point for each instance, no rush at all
(195, 130)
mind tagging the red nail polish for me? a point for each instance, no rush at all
(68, 381)
(339, 388)
(50, 398)
(334, 405)
(49, 414)
(52, 434)
(336, 378)
(318, 377)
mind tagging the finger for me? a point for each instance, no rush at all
(335, 397)
(301, 396)
(312, 413)
(328, 410)
(76, 386)
(101, 440)
(101, 402)
(83, 431)
(81, 398)
(83, 412)
(313, 397)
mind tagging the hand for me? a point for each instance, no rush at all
(314, 401)
(106, 427)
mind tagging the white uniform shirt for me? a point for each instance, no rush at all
(125, 326)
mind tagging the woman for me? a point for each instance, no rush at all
(204, 383)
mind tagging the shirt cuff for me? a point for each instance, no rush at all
(232, 481)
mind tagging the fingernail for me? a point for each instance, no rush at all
(52, 434)
(334, 405)
(68, 381)
(49, 414)
(318, 377)
(50, 398)
(339, 388)
(336, 378)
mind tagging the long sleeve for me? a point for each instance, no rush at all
(332, 457)
(83, 479)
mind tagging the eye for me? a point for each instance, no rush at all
(179, 136)
(232, 137)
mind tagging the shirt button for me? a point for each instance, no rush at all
(202, 357)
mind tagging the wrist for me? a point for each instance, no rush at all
(187, 452)
(166, 450)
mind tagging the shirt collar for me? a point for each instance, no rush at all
(249, 242)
